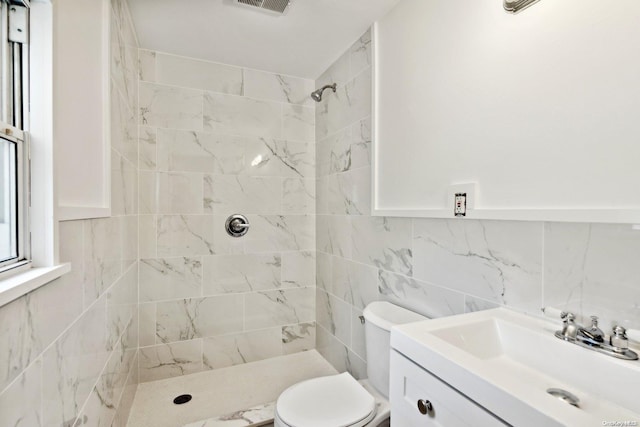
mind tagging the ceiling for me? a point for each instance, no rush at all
(303, 42)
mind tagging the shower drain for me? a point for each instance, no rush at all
(182, 399)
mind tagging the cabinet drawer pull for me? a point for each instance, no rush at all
(424, 406)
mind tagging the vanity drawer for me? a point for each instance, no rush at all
(444, 406)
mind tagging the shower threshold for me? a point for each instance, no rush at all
(236, 396)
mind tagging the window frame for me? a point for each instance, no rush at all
(14, 63)
(17, 137)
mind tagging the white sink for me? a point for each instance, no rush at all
(505, 361)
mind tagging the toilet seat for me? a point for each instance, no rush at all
(336, 400)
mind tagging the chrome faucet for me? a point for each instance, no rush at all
(594, 339)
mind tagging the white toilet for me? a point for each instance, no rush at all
(340, 400)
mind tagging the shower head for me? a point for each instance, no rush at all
(316, 95)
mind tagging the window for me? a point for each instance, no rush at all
(14, 158)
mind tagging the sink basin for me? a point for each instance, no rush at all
(506, 361)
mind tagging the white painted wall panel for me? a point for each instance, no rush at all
(81, 107)
(540, 109)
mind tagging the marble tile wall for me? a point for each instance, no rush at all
(68, 350)
(216, 140)
(441, 267)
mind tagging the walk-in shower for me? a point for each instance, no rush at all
(316, 95)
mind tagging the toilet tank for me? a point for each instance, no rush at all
(380, 316)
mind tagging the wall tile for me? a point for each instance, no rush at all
(184, 235)
(360, 54)
(279, 158)
(225, 274)
(170, 278)
(229, 350)
(147, 323)
(473, 304)
(358, 344)
(102, 256)
(298, 269)
(496, 260)
(122, 301)
(298, 196)
(300, 337)
(73, 364)
(147, 148)
(170, 107)
(354, 282)
(334, 315)
(147, 65)
(383, 242)
(124, 189)
(228, 194)
(170, 360)
(193, 73)
(298, 123)
(241, 116)
(276, 308)
(334, 235)
(277, 87)
(124, 128)
(20, 403)
(188, 151)
(280, 233)
(592, 269)
(199, 317)
(323, 271)
(148, 229)
(432, 301)
(170, 193)
(350, 192)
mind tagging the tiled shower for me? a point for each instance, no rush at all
(159, 289)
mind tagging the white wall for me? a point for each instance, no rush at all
(538, 108)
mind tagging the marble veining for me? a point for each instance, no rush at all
(242, 116)
(300, 337)
(165, 278)
(199, 317)
(277, 87)
(170, 107)
(241, 273)
(191, 151)
(245, 417)
(279, 307)
(383, 242)
(185, 235)
(421, 297)
(497, 261)
(229, 350)
(170, 360)
(281, 158)
(354, 282)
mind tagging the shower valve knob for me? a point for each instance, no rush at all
(237, 225)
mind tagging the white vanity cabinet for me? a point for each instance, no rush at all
(410, 384)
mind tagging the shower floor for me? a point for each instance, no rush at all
(241, 395)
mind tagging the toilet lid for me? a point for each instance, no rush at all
(336, 400)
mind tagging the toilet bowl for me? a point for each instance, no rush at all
(340, 400)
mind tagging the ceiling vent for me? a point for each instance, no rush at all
(273, 6)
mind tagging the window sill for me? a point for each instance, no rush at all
(19, 284)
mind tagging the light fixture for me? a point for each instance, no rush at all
(515, 6)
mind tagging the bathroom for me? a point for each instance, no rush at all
(151, 124)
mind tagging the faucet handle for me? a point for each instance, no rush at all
(567, 317)
(619, 339)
